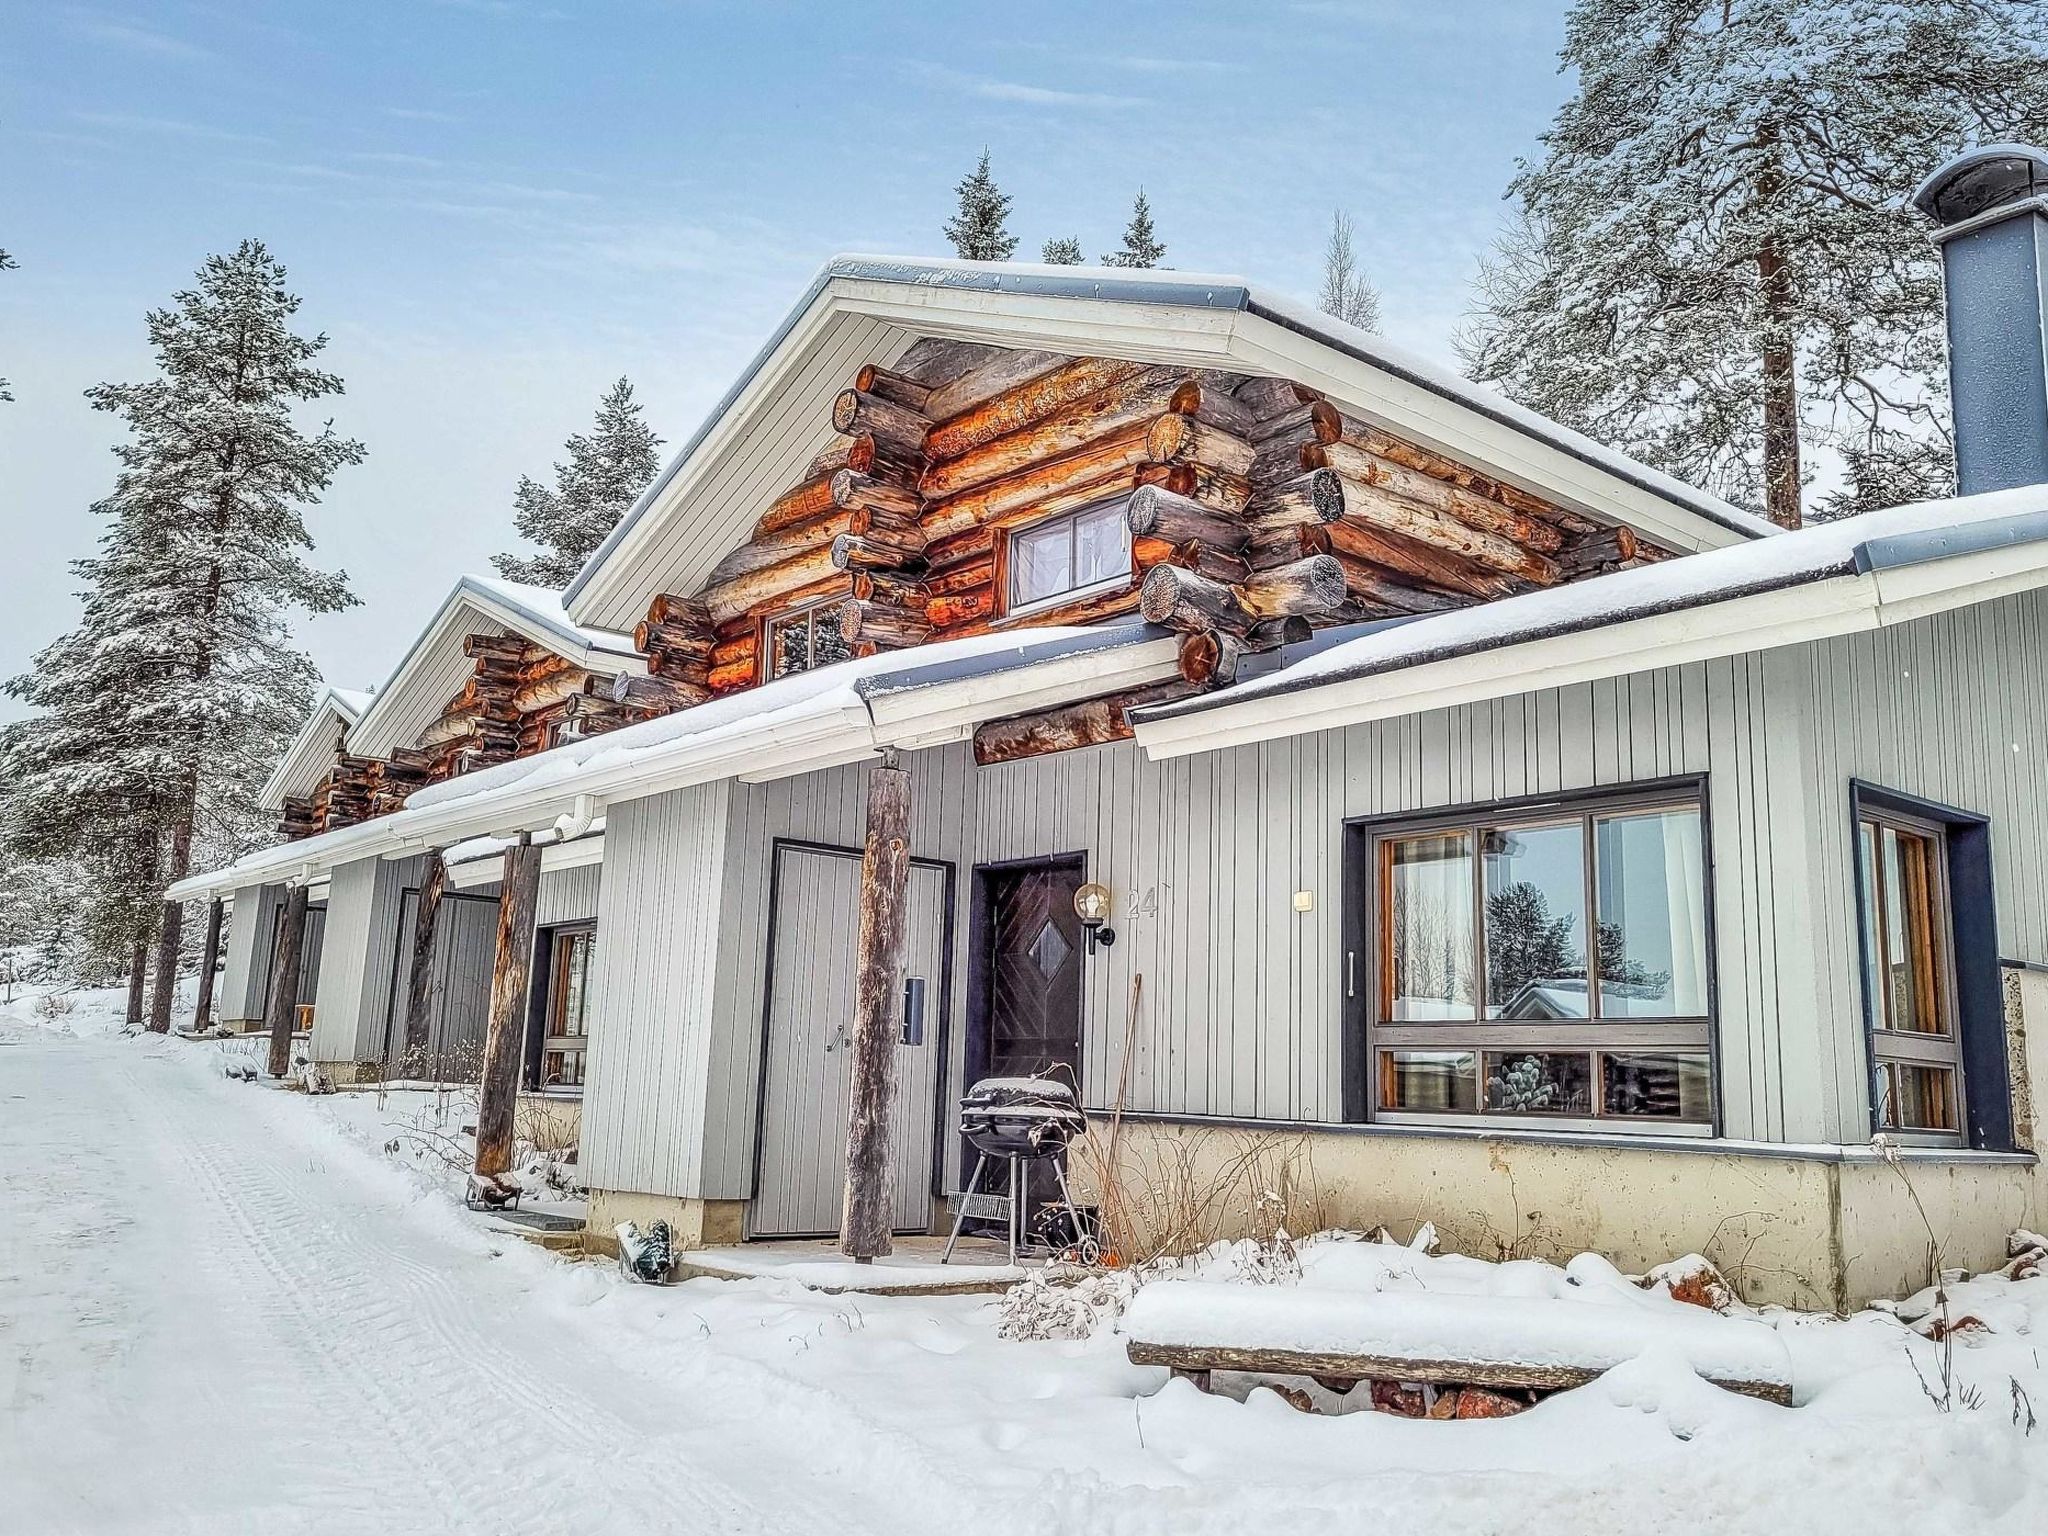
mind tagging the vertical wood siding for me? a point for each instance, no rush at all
(568, 895)
(243, 981)
(1242, 998)
(652, 1001)
(828, 807)
(364, 900)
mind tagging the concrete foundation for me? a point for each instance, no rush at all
(692, 1223)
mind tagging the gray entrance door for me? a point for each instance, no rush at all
(800, 1174)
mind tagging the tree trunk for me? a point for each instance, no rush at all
(282, 1011)
(878, 989)
(171, 919)
(138, 963)
(419, 982)
(510, 976)
(209, 956)
(1781, 389)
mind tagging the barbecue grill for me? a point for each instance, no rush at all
(1016, 1120)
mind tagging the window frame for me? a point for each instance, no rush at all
(1006, 584)
(1887, 1047)
(772, 622)
(553, 1000)
(1367, 1035)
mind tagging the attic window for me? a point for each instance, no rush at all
(804, 639)
(1068, 556)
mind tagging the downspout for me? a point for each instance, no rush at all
(575, 822)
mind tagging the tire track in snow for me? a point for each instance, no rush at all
(432, 1395)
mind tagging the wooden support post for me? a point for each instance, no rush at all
(865, 1221)
(209, 956)
(282, 1010)
(419, 980)
(518, 897)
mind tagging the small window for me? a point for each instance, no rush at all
(1545, 969)
(1064, 556)
(808, 638)
(1908, 935)
(568, 1015)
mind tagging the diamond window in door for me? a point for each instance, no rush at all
(1050, 951)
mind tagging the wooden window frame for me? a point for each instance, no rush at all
(765, 645)
(1893, 1047)
(1367, 957)
(554, 999)
(1006, 566)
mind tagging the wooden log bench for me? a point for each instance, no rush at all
(1339, 1339)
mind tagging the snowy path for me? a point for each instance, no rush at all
(204, 1326)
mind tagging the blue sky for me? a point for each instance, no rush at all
(494, 207)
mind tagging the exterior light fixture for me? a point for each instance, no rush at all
(1091, 905)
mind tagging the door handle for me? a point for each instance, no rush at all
(913, 1010)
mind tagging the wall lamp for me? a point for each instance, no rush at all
(1091, 905)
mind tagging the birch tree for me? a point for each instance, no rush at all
(1346, 292)
(1712, 265)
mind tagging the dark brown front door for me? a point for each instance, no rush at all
(1031, 1012)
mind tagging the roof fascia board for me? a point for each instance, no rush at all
(614, 560)
(1755, 622)
(310, 749)
(372, 736)
(1842, 604)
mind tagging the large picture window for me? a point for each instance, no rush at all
(1067, 556)
(1907, 942)
(1548, 966)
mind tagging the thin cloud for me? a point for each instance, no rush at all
(136, 38)
(991, 88)
(505, 8)
(1139, 64)
(397, 158)
(420, 115)
(176, 127)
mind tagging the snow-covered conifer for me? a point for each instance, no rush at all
(1713, 265)
(1142, 246)
(1061, 253)
(608, 468)
(977, 228)
(181, 686)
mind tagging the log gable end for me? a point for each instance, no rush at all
(521, 698)
(1253, 510)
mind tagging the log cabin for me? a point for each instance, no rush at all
(1556, 852)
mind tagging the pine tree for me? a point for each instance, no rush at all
(184, 666)
(7, 263)
(976, 228)
(1712, 264)
(1142, 246)
(1061, 253)
(606, 472)
(1347, 293)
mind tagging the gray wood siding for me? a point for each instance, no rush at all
(459, 985)
(364, 900)
(828, 807)
(568, 895)
(1242, 1004)
(244, 979)
(1242, 996)
(659, 912)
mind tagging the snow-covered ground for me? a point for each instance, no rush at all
(225, 1307)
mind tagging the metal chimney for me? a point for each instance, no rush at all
(1991, 206)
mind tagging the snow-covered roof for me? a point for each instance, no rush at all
(1855, 573)
(311, 754)
(797, 724)
(860, 309)
(434, 669)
